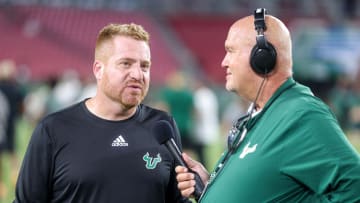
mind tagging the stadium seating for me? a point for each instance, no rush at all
(49, 40)
(204, 36)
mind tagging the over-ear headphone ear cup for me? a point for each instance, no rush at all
(262, 60)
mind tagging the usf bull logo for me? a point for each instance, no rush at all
(151, 162)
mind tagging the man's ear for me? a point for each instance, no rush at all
(98, 69)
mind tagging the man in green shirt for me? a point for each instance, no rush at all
(289, 147)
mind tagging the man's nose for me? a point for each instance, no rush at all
(136, 72)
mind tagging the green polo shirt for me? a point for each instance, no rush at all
(294, 151)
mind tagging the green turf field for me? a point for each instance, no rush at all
(10, 168)
(11, 165)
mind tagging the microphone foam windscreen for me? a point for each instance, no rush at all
(163, 131)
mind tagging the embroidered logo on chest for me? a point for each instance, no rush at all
(151, 162)
(247, 150)
(119, 142)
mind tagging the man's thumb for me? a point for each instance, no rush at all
(189, 161)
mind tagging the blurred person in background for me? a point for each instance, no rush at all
(65, 92)
(103, 149)
(36, 101)
(207, 126)
(289, 147)
(4, 114)
(88, 88)
(178, 99)
(11, 103)
(344, 99)
(339, 99)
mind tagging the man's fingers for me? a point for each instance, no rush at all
(180, 177)
(186, 188)
(187, 192)
(181, 169)
(186, 182)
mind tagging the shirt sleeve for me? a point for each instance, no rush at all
(321, 158)
(33, 184)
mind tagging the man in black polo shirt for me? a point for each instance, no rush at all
(103, 149)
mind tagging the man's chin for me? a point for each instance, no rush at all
(132, 102)
(229, 88)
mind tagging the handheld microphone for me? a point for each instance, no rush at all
(164, 135)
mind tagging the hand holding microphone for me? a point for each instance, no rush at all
(164, 135)
(186, 178)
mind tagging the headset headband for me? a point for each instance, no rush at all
(259, 20)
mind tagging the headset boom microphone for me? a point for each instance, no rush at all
(164, 135)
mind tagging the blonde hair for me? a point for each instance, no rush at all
(111, 30)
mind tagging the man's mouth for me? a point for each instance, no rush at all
(228, 74)
(134, 87)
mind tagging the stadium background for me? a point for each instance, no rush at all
(49, 40)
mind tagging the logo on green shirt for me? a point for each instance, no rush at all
(247, 150)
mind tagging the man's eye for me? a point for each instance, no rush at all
(145, 67)
(125, 63)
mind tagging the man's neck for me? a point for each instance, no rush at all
(269, 89)
(109, 110)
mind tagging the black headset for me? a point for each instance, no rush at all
(263, 54)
